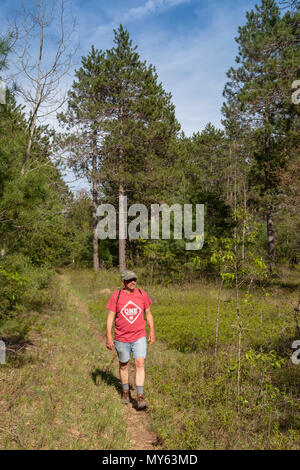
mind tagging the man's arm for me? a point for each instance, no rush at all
(150, 322)
(109, 324)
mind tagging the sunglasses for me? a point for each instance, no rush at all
(131, 280)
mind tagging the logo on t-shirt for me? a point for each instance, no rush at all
(131, 311)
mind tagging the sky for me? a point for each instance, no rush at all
(190, 43)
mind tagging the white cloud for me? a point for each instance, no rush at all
(191, 62)
(151, 6)
(138, 13)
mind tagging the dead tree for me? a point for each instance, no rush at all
(41, 71)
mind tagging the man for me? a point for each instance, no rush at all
(128, 305)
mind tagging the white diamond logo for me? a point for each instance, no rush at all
(131, 311)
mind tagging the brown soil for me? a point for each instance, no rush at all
(139, 426)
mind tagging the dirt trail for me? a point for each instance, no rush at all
(141, 438)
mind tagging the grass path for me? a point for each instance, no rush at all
(62, 391)
(138, 424)
(193, 393)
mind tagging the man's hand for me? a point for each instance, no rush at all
(109, 343)
(151, 337)
(150, 324)
(109, 323)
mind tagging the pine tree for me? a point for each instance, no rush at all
(5, 47)
(31, 207)
(87, 110)
(139, 129)
(261, 88)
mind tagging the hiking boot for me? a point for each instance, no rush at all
(125, 397)
(140, 402)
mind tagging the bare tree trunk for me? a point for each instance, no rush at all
(136, 256)
(235, 198)
(95, 204)
(227, 189)
(244, 222)
(271, 241)
(122, 227)
(269, 216)
(237, 289)
(296, 316)
(42, 93)
(228, 185)
(29, 144)
(239, 338)
(37, 93)
(218, 314)
(122, 230)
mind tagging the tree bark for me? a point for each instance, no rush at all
(122, 230)
(271, 241)
(218, 316)
(95, 203)
(239, 336)
(244, 220)
(269, 183)
(37, 94)
(122, 227)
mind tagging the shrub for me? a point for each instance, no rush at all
(23, 292)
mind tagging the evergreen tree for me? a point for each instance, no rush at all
(139, 130)
(207, 174)
(5, 47)
(261, 87)
(31, 207)
(87, 110)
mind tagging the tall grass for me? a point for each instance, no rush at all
(193, 394)
(59, 396)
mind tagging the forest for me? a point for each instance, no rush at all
(226, 315)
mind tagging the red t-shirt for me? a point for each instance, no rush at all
(130, 323)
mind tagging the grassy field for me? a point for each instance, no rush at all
(52, 396)
(193, 394)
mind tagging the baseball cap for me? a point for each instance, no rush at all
(126, 275)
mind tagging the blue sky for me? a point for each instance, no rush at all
(190, 42)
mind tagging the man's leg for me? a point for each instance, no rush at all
(139, 354)
(139, 371)
(123, 368)
(139, 380)
(123, 350)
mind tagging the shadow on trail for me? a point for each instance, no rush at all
(107, 377)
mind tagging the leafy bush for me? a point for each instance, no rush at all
(23, 292)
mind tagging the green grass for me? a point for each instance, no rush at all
(59, 393)
(59, 396)
(185, 316)
(193, 395)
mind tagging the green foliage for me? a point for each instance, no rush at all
(23, 292)
(31, 206)
(141, 121)
(5, 47)
(12, 287)
(260, 117)
(33, 230)
(193, 393)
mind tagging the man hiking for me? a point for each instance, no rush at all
(128, 306)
